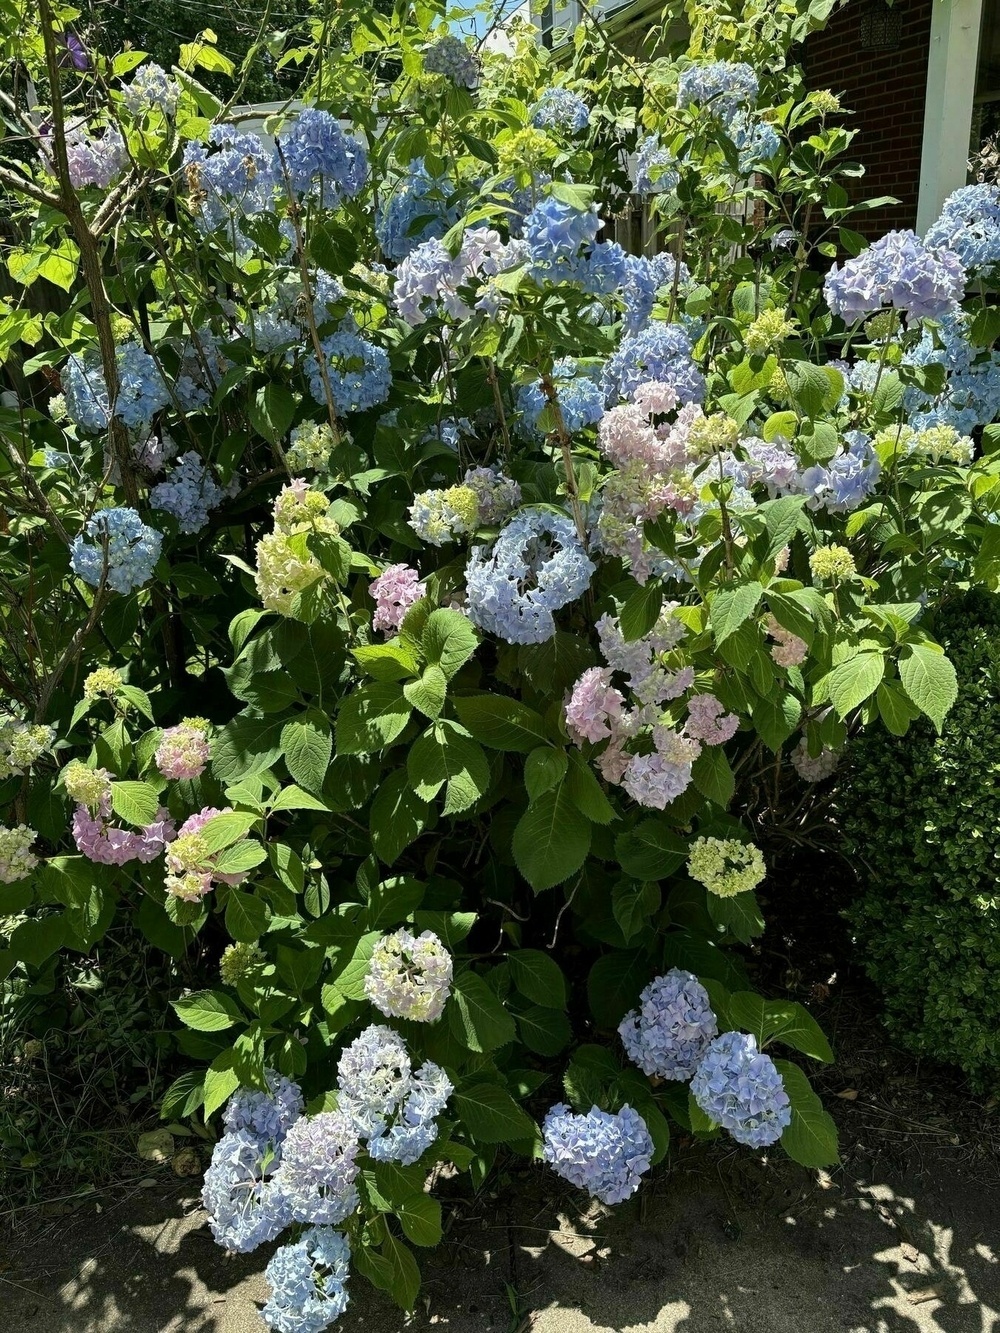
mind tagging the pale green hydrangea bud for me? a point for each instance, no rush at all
(309, 447)
(409, 976)
(882, 326)
(284, 570)
(726, 866)
(832, 562)
(239, 959)
(825, 102)
(21, 745)
(769, 330)
(105, 680)
(714, 434)
(943, 444)
(87, 786)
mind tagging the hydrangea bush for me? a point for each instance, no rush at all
(405, 588)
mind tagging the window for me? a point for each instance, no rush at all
(986, 107)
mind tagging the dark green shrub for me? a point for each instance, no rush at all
(922, 815)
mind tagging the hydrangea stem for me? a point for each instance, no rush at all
(565, 444)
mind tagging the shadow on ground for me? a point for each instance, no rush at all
(723, 1242)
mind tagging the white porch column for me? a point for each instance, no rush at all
(951, 83)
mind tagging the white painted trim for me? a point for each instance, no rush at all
(951, 84)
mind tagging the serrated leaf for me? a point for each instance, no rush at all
(501, 723)
(398, 817)
(586, 792)
(641, 611)
(544, 1031)
(224, 829)
(731, 607)
(387, 661)
(448, 640)
(240, 858)
(929, 679)
(551, 839)
(371, 717)
(135, 802)
(420, 1217)
(854, 680)
(444, 757)
(476, 1015)
(614, 984)
(429, 692)
(651, 851)
(307, 746)
(538, 977)
(246, 916)
(811, 1138)
(544, 768)
(490, 1114)
(208, 1011)
(633, 903)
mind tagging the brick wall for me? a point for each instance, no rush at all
(885, 90)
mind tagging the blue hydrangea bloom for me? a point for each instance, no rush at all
(560, 109)
(322, 161)
(417, 209)
(308, 1282)
(122, 550)
(755, 140)
(142, 391)
(971, 395)
(318, 1168)
(188, 493)
(358, 371)
(606, 1155)
(580, 397)
(269, 1115)
(721, 85)
(391, 1106)
(234, 177)
(897, 270)
(536, 565)
(450, 57)
(843, 481)
(556, 231)
(660, 352)
(645, 275)
(739, 1088)
(245, 1208)
(969, 226)
(655, 172)
(672, 1028)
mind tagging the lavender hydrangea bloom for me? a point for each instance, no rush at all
(318, 1168)
(721, 85)
(131, 555)
(671, 1030)
(450, 57)
(580, 398)
(269, 1115)
(556, 231)
(232, 178)
(560, 109)
(899, 271)
(971, 395)
(245, 1208)
(654, 172)
(969, 226)
(661, 353)
(840, 484)
(606, 1155)
(321, 160)
(536, 565)
(92, 160)
(390, 1106)
(416, 210)
(308, 1282)
(358, 371)
(429, 279)
(739, 1088)
(188, 494)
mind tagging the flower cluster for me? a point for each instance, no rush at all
(971, 395)
(394, 591)
(230, 179)
(660, 353)
(357, 372)
(726, 866)
(833, 562)
(708, 720)
(151, 86)
(439, 517)
(655, 170)
(497, 495)
(245, 1207)
(309, 446)
(723, 87)
(122, 551)
(320, 160)
(606, 1155)
(17, 860)
(319, 1167)
(451, 58)
(191, 865)
(739, 1088)
(556, 232)
(103, 842)
(814, 768)
(239, 960)
(286, 567)
(103, 681)
(188, 494)
(560, 109)
(142, 390)
(268, 1114)
(536, 566)
(22, 745)
(969, 226)
(581, 402)
(430, 279)
(308, 1282)
(594, 707)
(898, 270)
(672, 1028)
(183, 750)
(418, 209)
(409, 976)
(393, 1107)
(788, 650)
(87, 786)
(92, 160)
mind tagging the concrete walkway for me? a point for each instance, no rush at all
(724, 1242)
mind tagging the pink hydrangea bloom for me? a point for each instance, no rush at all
(655, 398)
(593, 703)
(182, 753)
(789, 650)
(206, 867)
(814, 768)
(111, 846)
(394, 592)
(709, 722)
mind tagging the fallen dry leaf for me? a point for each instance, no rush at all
(910, 1252)
(848, 1095)
(925, 1294)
